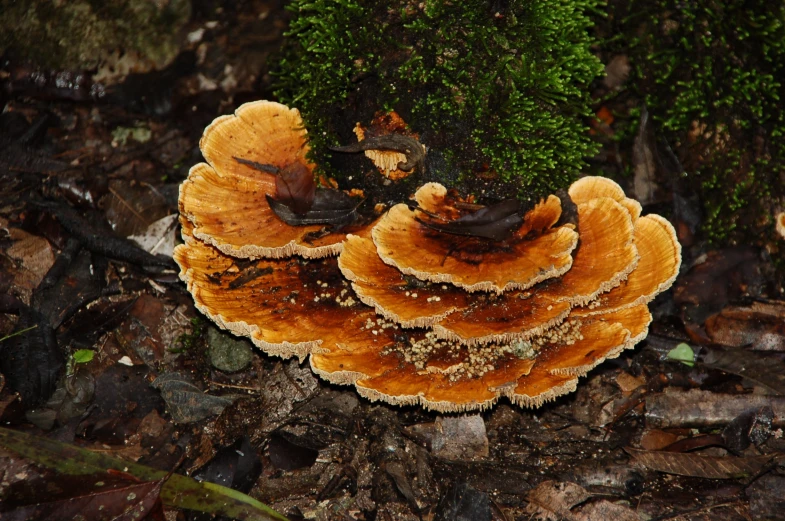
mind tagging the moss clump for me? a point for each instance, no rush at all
(492, 88)
(712, 74)
(81, 34)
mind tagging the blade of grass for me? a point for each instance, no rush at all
(179, 491)
(20, 332)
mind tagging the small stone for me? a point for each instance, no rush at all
(227, 353)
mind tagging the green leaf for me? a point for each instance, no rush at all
(682, 353)
(82, 356)
(179, 491)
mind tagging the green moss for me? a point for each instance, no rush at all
(187, 342)
(488, 90)
(80, 34)
(712, 74)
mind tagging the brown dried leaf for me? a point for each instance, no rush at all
(186, 402)
(552, 501)
(764, 370)
(295, 187)
(696, 465)
(761, 326)
(118, 504)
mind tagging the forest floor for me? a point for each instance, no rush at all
(644, 437)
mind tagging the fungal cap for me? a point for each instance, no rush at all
(471, 263)
(410, 303)
(226, 199)
(593, 187)
(605, 257)
(558, 366)
(660, 260)
(287, 307)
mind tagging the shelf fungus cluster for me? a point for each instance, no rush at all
(437, 302)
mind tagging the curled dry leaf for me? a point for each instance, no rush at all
(697, 465)
(496, 222)
(395, 160)
(438, 306)
(295, 187)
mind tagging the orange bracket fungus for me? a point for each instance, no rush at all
(439, 302)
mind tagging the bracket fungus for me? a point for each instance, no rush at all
(439, 302)
(227, 198)
(394, 150)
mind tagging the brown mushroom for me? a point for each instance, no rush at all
(592, 187)
(437, 375)
(287, 307)
(660, 259)
(226, 200)
(605, 257)
(520, 313)
(400, 298)
(558, 365)
(475, 264)
(780, 224)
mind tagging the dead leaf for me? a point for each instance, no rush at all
(296, 188)
(604, 510)
(330, 206)
(761, 326)
(34, 253)
(696, 465)
(552, 501)
(644, 159)
(186, 402)
(496, 222)
(656, 439)
(764, 370)
(119, 504)
(131, 207)
(159, 237)
(616, 71)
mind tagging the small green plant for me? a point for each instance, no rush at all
(501, 91)
(80, 356)
(682, 353)
(189, 341)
